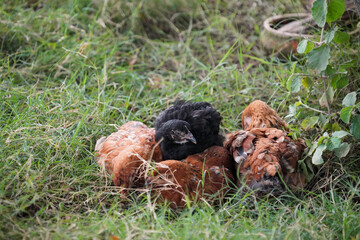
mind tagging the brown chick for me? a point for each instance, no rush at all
(214, 156)
(124, 152)
(263, 154)
(198, 176)
(259, 115)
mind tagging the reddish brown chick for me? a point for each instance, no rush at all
(259, 115)
(264, 154)
(124, 153)
(202, 175)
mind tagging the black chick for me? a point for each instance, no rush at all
(187, 128)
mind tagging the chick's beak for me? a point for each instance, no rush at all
(189, 137)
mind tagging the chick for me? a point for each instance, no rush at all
(259, 115)
(124, 152)
(199, 176)
(263, 153)
(187, 128)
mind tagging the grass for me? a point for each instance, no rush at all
(71, 71)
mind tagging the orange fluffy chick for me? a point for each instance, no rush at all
(124, 152)
(263, 153)
(201, 175)
(259, 115)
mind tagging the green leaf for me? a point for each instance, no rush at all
(349, 99)
(334, 79)
(305, 168)
(312, 149)
(329, 36)
(335, 127)
(288, 82)
(341, 37)
(327, 126)
(339, 81)
(318, 58)
(333, 143)
(336, 9)
(309, 122)
(301, 48)
(292, 111)
(295, 84)
(317, 157)
(293, 66)
(355, 126)
(345, 114)
(319, 12)
(310, 46)
(343, 150)
(305, 46)
(330, 94)
(321, 139)
(329, 70)
(342, 82)
(324, 119)
(306, 82)
(340, 134)
(330, 97)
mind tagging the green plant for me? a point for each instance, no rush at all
(326, 76)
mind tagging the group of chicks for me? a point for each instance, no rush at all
(184, 158)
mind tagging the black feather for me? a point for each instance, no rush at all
(200, 118)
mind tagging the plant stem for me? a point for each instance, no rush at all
(326, 97)
(313, 109)
(322, 34)
(316, 76)
(307, 75)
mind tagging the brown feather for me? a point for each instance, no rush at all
(124, 152)
(263, 152)
(201, 175)
(259, 115)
